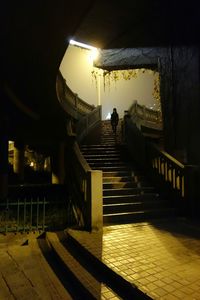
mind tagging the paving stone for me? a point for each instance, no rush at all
(164, 257)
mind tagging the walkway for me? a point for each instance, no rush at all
(161, 258)
(24, 272)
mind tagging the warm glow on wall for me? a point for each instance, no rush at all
(93, 53)
(116, 89)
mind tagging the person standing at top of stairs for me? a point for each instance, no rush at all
(114, 120)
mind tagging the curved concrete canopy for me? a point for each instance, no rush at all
(35, 35)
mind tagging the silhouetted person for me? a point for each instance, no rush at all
(114, 120)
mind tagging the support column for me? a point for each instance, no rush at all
(3, 166)
(58, 164)
(4, 121)
(18, 161)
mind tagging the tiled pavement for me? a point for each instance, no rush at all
(162, 258)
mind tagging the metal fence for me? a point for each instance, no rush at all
(36, 208)
(23, 215)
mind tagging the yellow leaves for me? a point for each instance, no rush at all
(115, 75)
(156, 89)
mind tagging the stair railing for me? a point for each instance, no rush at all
(85, 186)
(70, 101)
(176, 181)
(144, 116)
(166, 169)
(87, 123)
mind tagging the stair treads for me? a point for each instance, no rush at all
(130, 198)
(102, 272)
(112, 179)
(127, 191)
(67, 277)
(125, 188)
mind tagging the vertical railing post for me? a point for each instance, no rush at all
(95, 199)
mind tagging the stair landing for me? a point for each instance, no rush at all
(162, 258)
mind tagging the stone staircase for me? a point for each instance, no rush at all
(81, 273)
(127, 195)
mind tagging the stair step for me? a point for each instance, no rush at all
(64, 266)
(134, 206)
(117, 179)
(126, 184)
(98, 147)
(99, 270)
(138, 216)
(107, 167)
(102, 155)
(130, 198)
(104, 160)
(127, 191)
(120, 173)
(120, 185)
(101, 151)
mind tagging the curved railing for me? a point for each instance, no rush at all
(70, 101)
(145, 117)
(84, 184)
(87, 123)
(83, 116)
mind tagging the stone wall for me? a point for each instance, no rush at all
(180, 96)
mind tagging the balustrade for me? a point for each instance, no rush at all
(169, 169)
(85, 191)
(176, 181)
(68, 98)
(142, 115)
